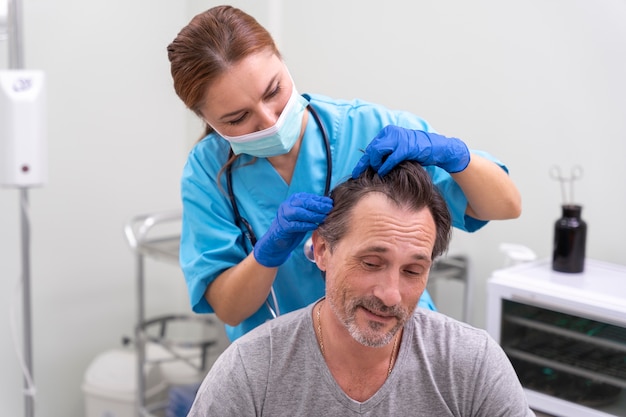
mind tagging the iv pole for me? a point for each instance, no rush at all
(16, 61)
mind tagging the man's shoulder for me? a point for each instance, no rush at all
(435, 324)
(283, 326)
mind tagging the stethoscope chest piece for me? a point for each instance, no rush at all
(308, 249)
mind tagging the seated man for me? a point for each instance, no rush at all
(365, 349)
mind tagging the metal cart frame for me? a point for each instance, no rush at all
(146, 243)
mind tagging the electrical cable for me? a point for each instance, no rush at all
(31, 390)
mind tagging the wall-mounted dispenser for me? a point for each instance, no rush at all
(23, 150)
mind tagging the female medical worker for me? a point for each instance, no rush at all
(269, 157)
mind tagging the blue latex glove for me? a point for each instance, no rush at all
(396, 144)
(299, 214)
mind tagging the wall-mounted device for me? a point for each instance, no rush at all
(23, 145)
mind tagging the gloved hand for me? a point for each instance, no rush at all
(298, 214)
(396, 144)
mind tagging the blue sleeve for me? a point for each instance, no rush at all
(210, 241)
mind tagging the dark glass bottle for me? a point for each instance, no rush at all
(570, 236)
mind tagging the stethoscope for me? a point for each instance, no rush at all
(244, 225)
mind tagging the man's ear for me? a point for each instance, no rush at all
(320, 249)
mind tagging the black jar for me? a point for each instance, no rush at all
(570, 236)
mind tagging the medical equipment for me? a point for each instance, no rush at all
(186, 338)
(570, 230)
(21, 102)
(245, 227)
(576, 173)
(565, 335)
(570, 238)
(23, 161)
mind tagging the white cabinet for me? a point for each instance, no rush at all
(565, 335)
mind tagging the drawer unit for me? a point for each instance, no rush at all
(565, 334)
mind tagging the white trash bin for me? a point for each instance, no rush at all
(110, 384)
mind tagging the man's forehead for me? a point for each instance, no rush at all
(379, 226)
(376, 205)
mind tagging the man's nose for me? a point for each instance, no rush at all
(388, 289)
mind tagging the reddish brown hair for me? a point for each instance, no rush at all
(209, 45)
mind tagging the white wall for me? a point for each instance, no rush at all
(117, 145)
(536, 83)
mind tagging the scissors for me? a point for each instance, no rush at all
(576, 173)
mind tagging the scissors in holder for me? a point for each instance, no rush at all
(576, 173)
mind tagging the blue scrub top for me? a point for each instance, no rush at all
(211, 242)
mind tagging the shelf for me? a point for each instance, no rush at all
(601, 334)
(566, 342)
(156, 235)
(182, 331)
(163, 248)
(561, 366)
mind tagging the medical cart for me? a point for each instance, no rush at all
(183, 338)
(565, 334)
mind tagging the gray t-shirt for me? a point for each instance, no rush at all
(444, 368)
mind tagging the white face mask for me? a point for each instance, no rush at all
(277, 139)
